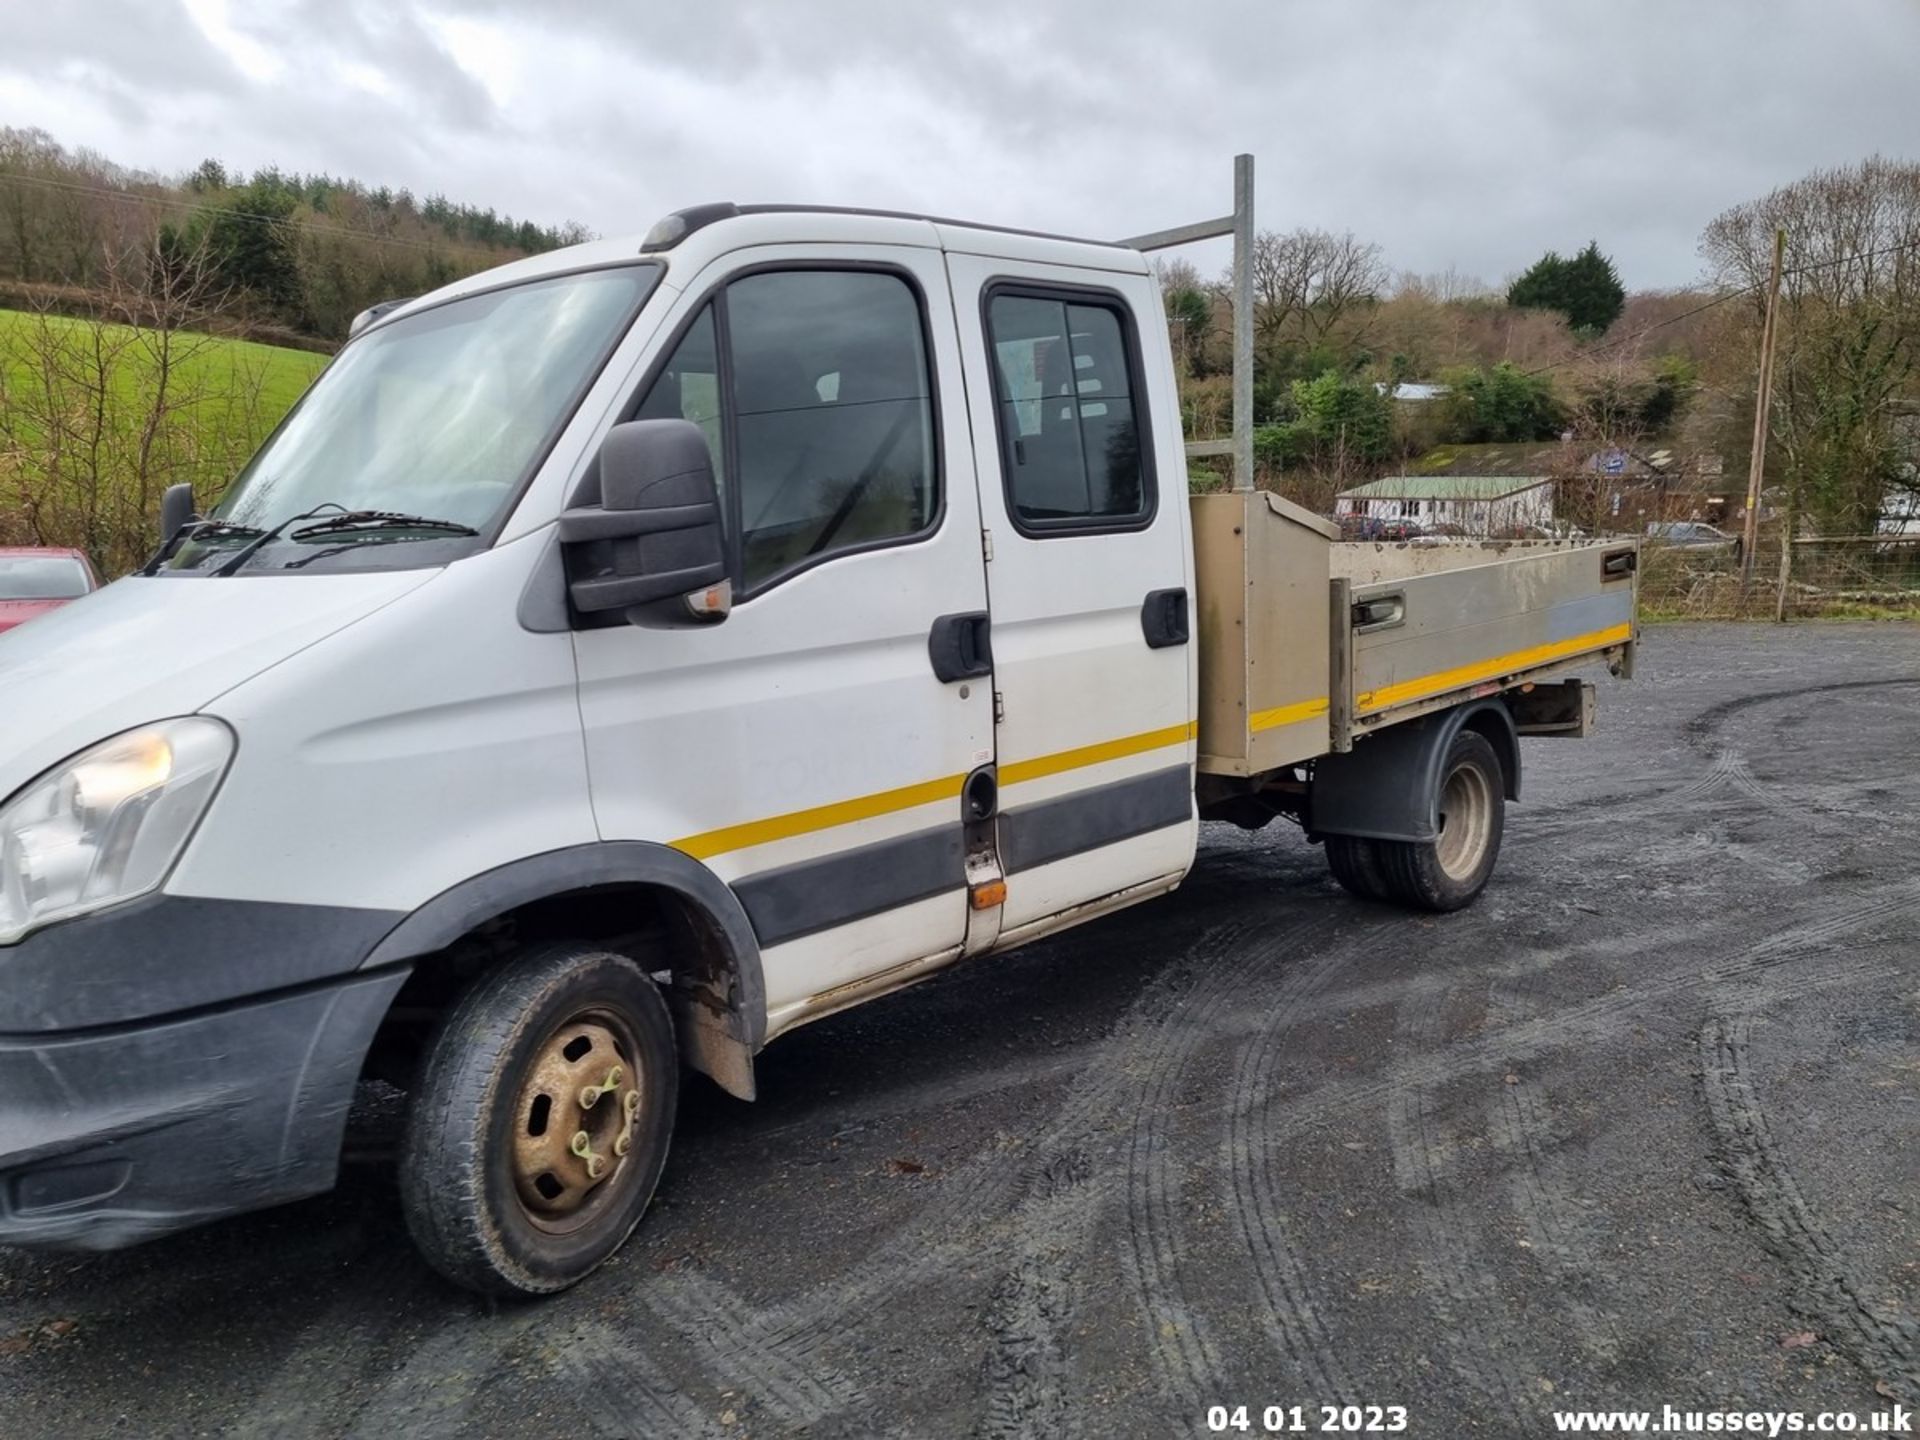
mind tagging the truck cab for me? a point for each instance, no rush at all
(621, 657)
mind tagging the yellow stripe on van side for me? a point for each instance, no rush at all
(1286, 715)
(1444, 680)
(885, 802)
(1063, 760)
(821, 817)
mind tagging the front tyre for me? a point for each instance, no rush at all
(540, 1124)
(1449, 871)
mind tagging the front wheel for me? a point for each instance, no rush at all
(1449, 871)
(540, 1124)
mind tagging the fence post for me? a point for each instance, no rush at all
(1786, 562)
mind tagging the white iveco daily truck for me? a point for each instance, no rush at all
(624, 656)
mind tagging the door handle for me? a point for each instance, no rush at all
(961, 646)
(1379, 612)
(1163, 618)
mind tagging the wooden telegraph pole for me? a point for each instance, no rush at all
(1762, 404)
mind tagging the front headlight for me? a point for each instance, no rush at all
(108, 824)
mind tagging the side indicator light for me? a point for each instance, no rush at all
(985, 897)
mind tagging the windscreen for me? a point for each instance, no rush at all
(42, 577)
(439, 416)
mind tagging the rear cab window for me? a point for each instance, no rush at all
(1070, 410)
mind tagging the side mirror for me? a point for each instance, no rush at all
(653, 545)
(176, 509)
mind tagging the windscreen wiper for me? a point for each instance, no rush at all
(381, 520)
(338, 519)
(198, 530)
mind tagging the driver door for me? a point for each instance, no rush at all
(805, 749)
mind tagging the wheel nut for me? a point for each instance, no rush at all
(590, 1094)
(582, 1146)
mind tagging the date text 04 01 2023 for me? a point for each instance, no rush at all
(1308, 1419)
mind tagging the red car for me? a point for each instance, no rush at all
(34, 581)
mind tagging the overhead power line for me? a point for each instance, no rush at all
(1603, 350)
(1600, 351)
(1851, 259)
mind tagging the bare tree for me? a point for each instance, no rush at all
(1848, 353)
(1306, 282)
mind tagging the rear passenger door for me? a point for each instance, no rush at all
(1084, 503)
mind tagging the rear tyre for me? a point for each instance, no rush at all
(1356, 865)
(1449, 871)
(541, 1121)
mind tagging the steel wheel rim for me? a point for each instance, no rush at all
(1466, 821)
(575, 1122)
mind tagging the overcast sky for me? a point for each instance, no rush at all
(1471, 133)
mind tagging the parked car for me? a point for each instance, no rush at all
(34, 581)
(1361, 527)
(1693, 535)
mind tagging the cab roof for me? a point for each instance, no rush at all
(687, 240)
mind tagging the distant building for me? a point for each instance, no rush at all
(1476, 504)
(1482, 489)
(1413, 392)
(1488, 489)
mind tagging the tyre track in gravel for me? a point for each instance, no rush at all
(797, 1389)
(1727, 770)
(1049, 1199)
(432, 1394)
(1028, 1369)
(1763, 970)
(1475, 1326)
(1028, 1363)
(1702, 727)
(1558, 1238)
(1884, 1343)
(619, 1386)
(1185, 1355)
(1723, 786)
(1260, 1224)
(344, 1333)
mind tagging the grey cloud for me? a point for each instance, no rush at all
(1471, 135)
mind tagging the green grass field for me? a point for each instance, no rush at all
(218, 368)
(85, 451)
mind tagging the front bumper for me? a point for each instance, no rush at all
(116, 1126)
(112, 1137)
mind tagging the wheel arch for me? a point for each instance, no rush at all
(1388, 788)
(602, 890)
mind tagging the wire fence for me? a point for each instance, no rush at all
(1836, 577)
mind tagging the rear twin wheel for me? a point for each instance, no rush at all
(540, 1124)
(1449, 871)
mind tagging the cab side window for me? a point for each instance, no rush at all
(823, 423)
(1065, 386)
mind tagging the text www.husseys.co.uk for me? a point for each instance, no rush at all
(1897, 1420)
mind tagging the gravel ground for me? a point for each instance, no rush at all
(1642, 1127)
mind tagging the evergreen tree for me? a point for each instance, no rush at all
(1586, 289)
